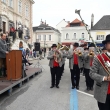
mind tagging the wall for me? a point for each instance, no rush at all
(71, 31)
(54, 37)
(95, 32)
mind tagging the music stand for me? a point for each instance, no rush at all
(38, 63)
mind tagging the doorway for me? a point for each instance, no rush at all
(4, 27)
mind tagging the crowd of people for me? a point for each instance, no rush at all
(94, 65)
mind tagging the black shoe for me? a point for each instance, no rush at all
(52, 87)
(57, 86)
(73, 87)
(30, 64)
(91, 88)
(77, 87)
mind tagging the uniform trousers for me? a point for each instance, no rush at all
(89, 81)
(55, 76)
(75, 72)
(62, 69)
(106, 105)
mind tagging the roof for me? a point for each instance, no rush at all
(102, 24)
(45, 27)
(75, 22)
(61, 21)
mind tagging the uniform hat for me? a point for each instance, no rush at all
(76, 44)
(107, 39)
(54, 45)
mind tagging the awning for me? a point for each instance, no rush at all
(67, 43)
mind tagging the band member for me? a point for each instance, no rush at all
(99, 72)
(74, 65)
(88, 59)
(55, 67)
(3, 52)
(63, 61)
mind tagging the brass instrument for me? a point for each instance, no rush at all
(98, 50)
(64, 48)
(91, 54)
(57, 55)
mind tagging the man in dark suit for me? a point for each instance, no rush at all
(101, 74)
(3, 52)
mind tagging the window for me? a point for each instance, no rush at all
(11, 3)
(74, 36)
(27, 11)
(100, 37)
(4, 1)
(82, 35)
(19, 6)
(67, 36)
(39, 37)
(49, 37)
(44, 37)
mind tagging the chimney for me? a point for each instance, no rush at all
(41, 21)
(45, 21)
(92, 20)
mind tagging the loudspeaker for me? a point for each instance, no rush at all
(37, 46)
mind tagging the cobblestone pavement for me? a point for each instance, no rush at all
(37, 95)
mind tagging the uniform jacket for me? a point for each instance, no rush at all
(51, 58)
(3, 48)
(71, 62)
(97, 73)
(64, 56)
(87, 60)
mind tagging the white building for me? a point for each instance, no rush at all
(101, 28)
(73, 32)
(46, 35)
(61, 24)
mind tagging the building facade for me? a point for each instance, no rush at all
(46, 35)
(17, 13)
(101, 28)
(74, 32)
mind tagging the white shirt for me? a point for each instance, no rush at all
(108, 53)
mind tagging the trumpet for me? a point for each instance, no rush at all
(91, 54)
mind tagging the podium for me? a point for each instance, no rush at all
(14, 65)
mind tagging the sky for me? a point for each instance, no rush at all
(54, 11)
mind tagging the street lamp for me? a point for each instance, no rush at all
(44, 44)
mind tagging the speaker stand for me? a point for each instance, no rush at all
(38, 64)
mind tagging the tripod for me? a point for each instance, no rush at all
(38, 63)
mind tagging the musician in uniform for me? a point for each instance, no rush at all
(3, 52)
(55, 67)
(75, 64)
(88, 59)
(101, 74)
(63, 61)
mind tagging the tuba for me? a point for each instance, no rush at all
(57, 55)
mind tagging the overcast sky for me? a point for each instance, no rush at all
(53, 11)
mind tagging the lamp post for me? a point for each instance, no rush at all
(44, 45)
